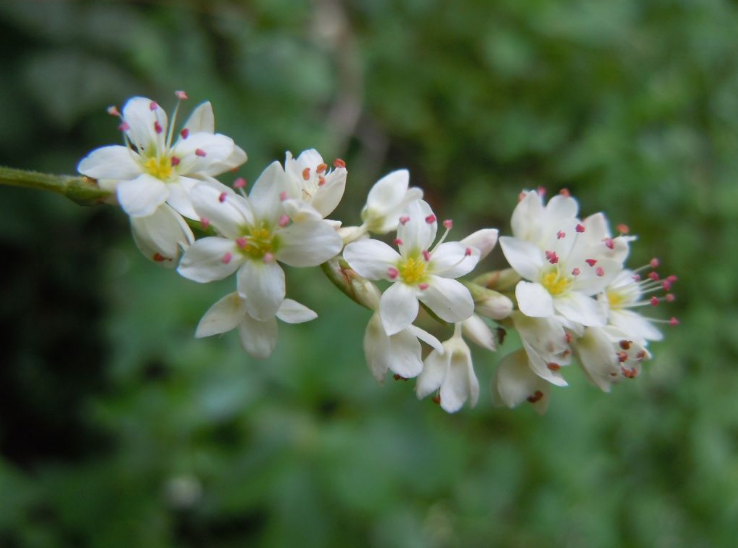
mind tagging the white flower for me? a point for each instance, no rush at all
(150, 169)
(255, 233)
(399, 353)
(452, 372)
(258, 338)
(546, 344)
(418, 273)
(309, 179)
(565, 270)
(387, 200)
(514, 382)
(162, 235)
(607, 355)
(533, 222)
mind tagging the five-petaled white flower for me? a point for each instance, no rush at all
(258, 338)
(311, 180)
(255, 233)
(419, 273)
(151, 169)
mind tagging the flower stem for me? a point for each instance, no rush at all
(79, 189)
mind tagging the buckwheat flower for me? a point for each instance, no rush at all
(451, 373)
(162, 235)
(387, 200)
(255, 233)
(418, 272)
(311, 180)
(534, 222)
(563, 276)
(258, 338)
(607, 356)
(546, 344)
(514, 383)
(629, 292)
(153, 167)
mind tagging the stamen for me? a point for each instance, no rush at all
(153, 105)
(239, 183)
(629, 373)
(222, 197)
(185, 133)
(284, 220)
(226, 258)
(448, 224)
(591, 262)
(622, 356)
(580, 228)
(654, 276)
(321, 168)
(673, 322)
(124, 127)
(609, 243)
(666, 285)
(174, 160)
(537, 396)
(426, 255)
(575, 272)
(398, 242)
(306, 173)
(468, 252)
(671, 279)
(268, 258)
(181, 95)
(560, 234)
(551, 257)
(392, 273)
(654, 301)
(398, 377)
(339, 163)
(241, 242)
(541, 191)
(205, 222)
(283, 196)
(625, 345)
(521, 196)
(321, 180)
(404, 220)
(623, 229)
(158, 257)
(654, 263)
(430, 219)
(157, 127)
(568, 338)
(600, 271)
(553, 366)
(423, 286)
(565, 192)
(641, 355)
(669, 297)
(200, 152)
(436, 399)
(113, 110)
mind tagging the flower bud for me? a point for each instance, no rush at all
(494, 305)
(366, 292)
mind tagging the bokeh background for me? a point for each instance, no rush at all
(118, 429)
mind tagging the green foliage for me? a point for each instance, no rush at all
(117, 428)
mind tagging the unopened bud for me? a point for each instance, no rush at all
(366, 292)
(494, 305)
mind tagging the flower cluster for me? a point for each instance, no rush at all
(568, 293)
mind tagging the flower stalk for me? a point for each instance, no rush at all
(80, 189)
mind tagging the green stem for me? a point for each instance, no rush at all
(81, 190)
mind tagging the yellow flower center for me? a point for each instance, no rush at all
(555, 283)
(257, 242)
(413, 270)
(615, 298)
(159, 167)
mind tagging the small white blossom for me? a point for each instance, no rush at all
(387, 200)
(419, 273)
(254, 234)
(162, 235)
(258, 338)
(311, 180)
(514, 382)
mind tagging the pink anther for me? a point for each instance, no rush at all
(222, 197)
(448, 224)
(600, 271)
(239, 183)
(227, 258)
(185, 133)
(591, 262)
(404, 220)
(284, 220)
(392, 273)
(200, 152)
(181, 95)
(430, 219)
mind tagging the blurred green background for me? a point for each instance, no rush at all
(118, 429)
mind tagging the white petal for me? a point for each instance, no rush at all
(236, 158)
(265, 194)
(434, 371)
(405, 354)
(417, 234)
(161, 235)
(371, 258)
(598, 358)
(204, 260)
(328, 195)
(141, 196)
(460, 382)
(139, 116)
(524, 257)
(514, 382)
(534, 300)
(427, 338)
(589, 282)
(448, 299)
(113, 162)
(201, 150)
(293, 312)
(263, 286)
(201, 119)
(388, 191)
(398, 308)
(527, 216)
(635, 325)
(478, 332)
(223, 316)
(179, 199)
(580, 309)
(307, 244)
(561, 208)
(450, 259)
(377, 348)
(484, 240)
(229, 215)
(258, 338)
(300, 211)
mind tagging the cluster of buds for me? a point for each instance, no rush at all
(568, 293)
